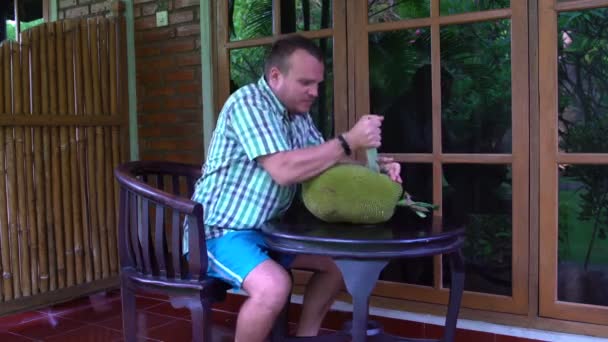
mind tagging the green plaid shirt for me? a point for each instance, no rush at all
(235, 191)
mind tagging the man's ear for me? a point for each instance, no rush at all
(274, 74)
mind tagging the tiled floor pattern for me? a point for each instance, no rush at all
(98, 318)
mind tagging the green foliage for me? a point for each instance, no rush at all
(485, 246)
(449, 7)
(478, 113)
(11, 27)
(389, 10)
(583, 109)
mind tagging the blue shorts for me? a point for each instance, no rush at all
(234, 255)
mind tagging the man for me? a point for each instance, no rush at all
(264, 144)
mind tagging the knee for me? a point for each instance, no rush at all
(272, 292)
(333, 273)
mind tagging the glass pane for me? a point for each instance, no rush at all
(247, 66)
(582, 74)
(418, 182)
(480, 197)
(379, 11)
(462, 6)
(400, 88)
(476, 101)
(322, 111)
(249, 19)
(583, 227)
(305, 15)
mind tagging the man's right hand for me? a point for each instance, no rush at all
(366, 132)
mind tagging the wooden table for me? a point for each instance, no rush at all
(362, 251)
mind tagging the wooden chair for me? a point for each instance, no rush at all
(154, 202)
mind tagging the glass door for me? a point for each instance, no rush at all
(450, 78)
(573, 51)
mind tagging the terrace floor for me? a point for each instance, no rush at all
(98, 318)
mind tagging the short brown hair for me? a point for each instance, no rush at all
(284, 47)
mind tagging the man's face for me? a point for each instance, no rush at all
(297, 87)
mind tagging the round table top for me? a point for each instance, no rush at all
(402, 236)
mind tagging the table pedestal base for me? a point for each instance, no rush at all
(360, 277)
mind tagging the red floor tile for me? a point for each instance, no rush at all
(87, 333)
(9, 337)
(504, 338)
(145, 321)
(9, 321)
(181, 330)
(158, 296)
(46, 326)
(105, 310)
(167, 310)
(436, 331)
(403, 328)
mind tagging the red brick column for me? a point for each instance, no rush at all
(169, 81)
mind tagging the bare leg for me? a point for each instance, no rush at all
(268, 286)
(320, 291)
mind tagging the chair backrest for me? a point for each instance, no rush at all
(154, 202)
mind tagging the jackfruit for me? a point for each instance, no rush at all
(350, 193)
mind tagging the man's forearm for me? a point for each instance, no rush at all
(299, 165)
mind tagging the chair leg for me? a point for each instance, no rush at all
(129, 315)
(201, 320)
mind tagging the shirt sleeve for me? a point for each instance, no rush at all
(313, 136)
(257, 128)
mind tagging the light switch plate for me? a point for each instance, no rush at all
(162, 18)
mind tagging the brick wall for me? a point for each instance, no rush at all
(83, 8)
(169, 81)
(168, 70)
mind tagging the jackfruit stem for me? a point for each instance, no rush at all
(372, 159)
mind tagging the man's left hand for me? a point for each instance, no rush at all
(391, 168)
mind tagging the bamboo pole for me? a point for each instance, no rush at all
(80, 139)
(7, 289)
(64, 160)
(107, 144)
(11, 178)
(94, 36)
(74, 191)
(55, 159)
(7, 283)
(112, 139)
(115, 53)
(43, 264)
(29, 166)
(45, 33)
(22, 225)
(90, 136)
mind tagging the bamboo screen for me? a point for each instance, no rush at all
(62, 132)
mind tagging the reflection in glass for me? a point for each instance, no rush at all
(448, 7)
(400, 89)
(249, 19)
(476, 101)
(379, 11)
(480, 197)
(417, 180)
(247, 66)
(322, 111)
(582, 242)
(305, 15)
(583, 86)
